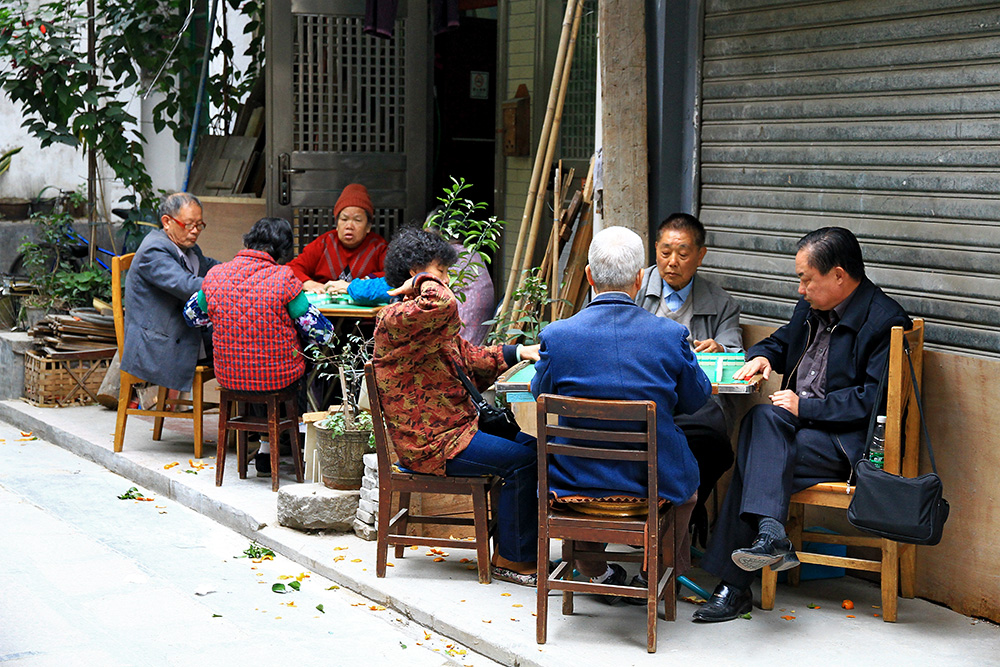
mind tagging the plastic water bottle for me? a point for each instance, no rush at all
(876, 454)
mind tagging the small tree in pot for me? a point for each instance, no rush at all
(345, 434)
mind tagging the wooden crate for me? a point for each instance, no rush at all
(50, 382)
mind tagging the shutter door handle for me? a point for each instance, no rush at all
(285, 185)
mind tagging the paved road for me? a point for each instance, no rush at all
(87, 579)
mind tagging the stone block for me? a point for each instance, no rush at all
(315, 507)
(367, 483)
(367, 517)
(369, 494)
(371, 461)
(368, 506)
(364, 531)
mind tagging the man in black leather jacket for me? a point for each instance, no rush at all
(831, 355)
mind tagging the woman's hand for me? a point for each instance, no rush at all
(406, 290)
(313, 286)
(336, 287)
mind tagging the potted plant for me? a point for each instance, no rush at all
(74, 202)
(345, 435)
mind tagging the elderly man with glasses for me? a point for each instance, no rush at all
(168, 268)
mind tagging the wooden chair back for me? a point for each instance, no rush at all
(897, 563)
(483, 493)
(119, 265)
(603, 430)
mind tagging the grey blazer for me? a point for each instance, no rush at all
(159, 346)
(716, 315)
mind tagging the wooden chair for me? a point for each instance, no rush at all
(556, 520)
(897, 563)
(484, 492)
(202, 374)
(232, 418)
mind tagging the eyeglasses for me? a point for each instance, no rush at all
(199, 225)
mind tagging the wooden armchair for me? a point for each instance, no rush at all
(202, 374)
(897, 564)
(484, 491)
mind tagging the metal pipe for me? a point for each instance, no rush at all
(201, 94)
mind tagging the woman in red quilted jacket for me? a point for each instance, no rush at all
(258, 310)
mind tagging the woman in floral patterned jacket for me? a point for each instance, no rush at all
(432, 420)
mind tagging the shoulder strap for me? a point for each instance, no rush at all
(477, 398)
(878, 401)
(920, 406)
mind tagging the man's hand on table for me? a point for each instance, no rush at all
(708, 345)
(529, 352)
(752, 367)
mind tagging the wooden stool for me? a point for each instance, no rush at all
(272, 426)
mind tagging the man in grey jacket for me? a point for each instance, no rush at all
(167, 269)
(672, 289)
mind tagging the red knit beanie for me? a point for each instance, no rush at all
(354, 194)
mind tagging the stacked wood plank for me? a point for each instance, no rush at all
(82, 331)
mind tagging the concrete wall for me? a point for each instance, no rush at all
(520, 58)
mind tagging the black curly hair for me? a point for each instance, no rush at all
(415, 248)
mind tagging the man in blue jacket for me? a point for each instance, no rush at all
(604, 352)
(831, 356)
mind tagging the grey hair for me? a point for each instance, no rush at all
(174, 202)
(616, 256)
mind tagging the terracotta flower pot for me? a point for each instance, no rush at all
(341, 457)
(14, 208)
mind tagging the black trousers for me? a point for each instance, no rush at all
(777, 455)
(714, 453)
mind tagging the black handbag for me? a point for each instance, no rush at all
(492, 420)
(903, 509)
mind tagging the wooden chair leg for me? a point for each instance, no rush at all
(481, 526)
(223, 438)
(124, 396)
(292, 413)
(669, 551)
(542, 586)
(382, 536)
(794, 525)
(161, 404)
(768, 588)
(890, 580)
(197, 413)
(273, 415)
(242, 453)
(907, 569)
(569, 557)
(400, 529)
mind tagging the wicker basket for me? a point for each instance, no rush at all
(50, 383)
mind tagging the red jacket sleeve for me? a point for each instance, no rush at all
(304, 266)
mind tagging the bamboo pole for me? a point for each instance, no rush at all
(542, 150)
(551, 144)
(554, 240)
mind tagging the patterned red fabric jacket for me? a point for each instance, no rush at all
(255, 341)
(430, 415)
(326, 258)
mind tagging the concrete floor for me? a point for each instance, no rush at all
(497, 620)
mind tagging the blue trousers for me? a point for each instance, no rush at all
(778, 454)
(517, 513)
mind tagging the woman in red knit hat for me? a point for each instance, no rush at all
(351, 251)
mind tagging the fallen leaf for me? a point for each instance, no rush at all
(438, 559)
(505, 595)
(427, 636)
(875, 606)
(847, 604)
(390, 565)
(294, 585)
(812, 606)
(343, 548)
(284, 576)
(25, 434)
(279, 588)
(746, 616)
(850, 616)
(875, 615)
(694, 599)
(301, 575)
(517, 605)
(470, 567)
(333, 588)
(216, 615)
(414, 548)
(289, 604)
(376, 607)
(355, 560)
(171, 465)
(277, 618)
(464, 560)
(487, 621)
(788, 618)
(359, 604)
(337, 559)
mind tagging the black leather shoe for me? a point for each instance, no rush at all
(726, 604)
(766, 551)
(617, 578)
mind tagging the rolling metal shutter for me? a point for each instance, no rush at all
(882, 117)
